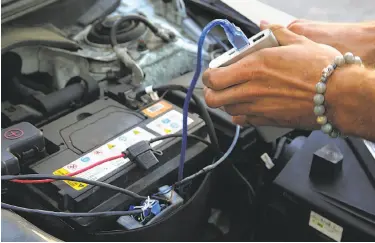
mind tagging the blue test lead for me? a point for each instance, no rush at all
(238, 40)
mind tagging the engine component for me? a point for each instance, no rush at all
(137, 72)
(36, 105)
(19, 143)
(62, 65)
(338, 206)
(32, 99)
(13, 88)
(159, 61)
(100, 130)
(163, 34)
(127, 31)
(122, 53)
(61, 99)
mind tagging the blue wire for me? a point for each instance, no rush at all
(219, 161)
(232, 32)
(231, 147)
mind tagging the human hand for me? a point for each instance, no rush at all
(274, 86)
(358, 38)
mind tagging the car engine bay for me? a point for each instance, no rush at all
(103, 106)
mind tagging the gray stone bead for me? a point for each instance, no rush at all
(318, 99)
(323, 79)
(357, 60)
(339, 60)
(321, 120)
(327, 128)
(349, 58)
(321, 88)
(319, 110)
(334, 134)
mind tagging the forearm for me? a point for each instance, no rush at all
(351, 101)
(368, 42)
(358, 38)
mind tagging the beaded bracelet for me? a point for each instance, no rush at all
(321, 87)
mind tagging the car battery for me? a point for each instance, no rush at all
(103, 129)
(326, 192)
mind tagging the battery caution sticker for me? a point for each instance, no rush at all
(326, 226)
(169, 123)
(371, 147)
(112, 148)
(74, 184)
(157, 109)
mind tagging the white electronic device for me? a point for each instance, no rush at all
(264, 39)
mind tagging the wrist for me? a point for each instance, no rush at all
(350, 99)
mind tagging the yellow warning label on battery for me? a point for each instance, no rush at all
(111, 146)
(61, 172)
(74, 184)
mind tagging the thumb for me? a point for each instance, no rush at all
(284, 36)
(264, 24)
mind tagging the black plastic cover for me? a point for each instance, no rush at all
(348, 200)
(91, 126)
(17, 142)
(60, 99)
